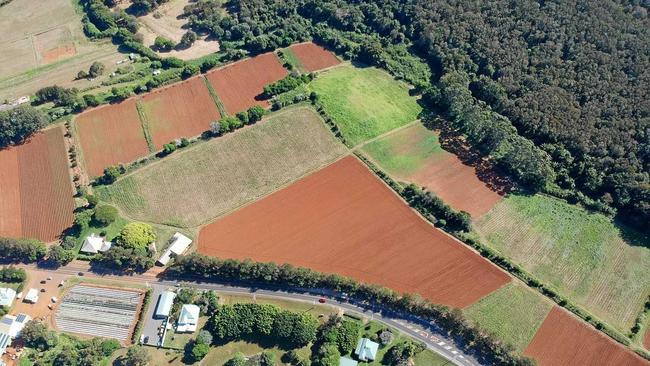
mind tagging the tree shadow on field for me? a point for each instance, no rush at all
(632, 236)
(454, 142)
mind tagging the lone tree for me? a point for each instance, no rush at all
(19, 123)
(105, 215)
(137, 236)
(163, 44)
(136, 356)
(96, 69)
(188, 39)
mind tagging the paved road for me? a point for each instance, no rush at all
(428, 333)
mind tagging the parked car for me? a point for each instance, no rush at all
(322, 300)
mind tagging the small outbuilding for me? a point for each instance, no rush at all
(366, 350)
(178, 245)
(164, 306)
(32, 296)
(344, 361)
(7, 296)
(94, 244)
(188, 320)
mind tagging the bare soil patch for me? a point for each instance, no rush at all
(343, 220)
(314, 57)
(37, 195)
(110, 135)
(59, 52)
(646, 339)
(181, 110)
(565, 340)
(54, 44)
(240, 85)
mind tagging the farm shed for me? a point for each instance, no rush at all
(179, 244)
(344, 361)
(13, 325)
(32, 296)
(94, 244)
(7, 296)
(164, 306)
(366, 349)
(189, 318)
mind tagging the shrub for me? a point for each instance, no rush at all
(21, 250)
(169, 148)
(19, 123)
(36, 335)
(137, 236)
(255, 114)
(105, 215)
(59, 256)
(163, 44)
(112, 173)
(199, 350)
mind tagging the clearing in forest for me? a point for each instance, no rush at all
(209, 179)
(512, 314)
(582, 254)
(364, 102)
(110, 134)
(180, 110)
(564, 340)
(342, 219)
(414, 155)
(312, 57)
(36, 195)
(240, 85)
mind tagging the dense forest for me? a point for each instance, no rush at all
(557, 92)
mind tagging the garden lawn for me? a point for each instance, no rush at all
(364, 102)
(512, 314)
(584, 255)
(206, 180)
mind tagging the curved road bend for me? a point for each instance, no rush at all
(426, 332)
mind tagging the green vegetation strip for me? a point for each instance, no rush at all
(144, 121)
(512, 313)
(290, 58)
(215, 98)
(364, 102)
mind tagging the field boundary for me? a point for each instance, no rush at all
(215, 97)
(144, 121)
(518, 272)
(386, 134)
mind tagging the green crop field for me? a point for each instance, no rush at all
(584, 255)
(406, 151)
(196, 185)
(513, 314)
(364, 102)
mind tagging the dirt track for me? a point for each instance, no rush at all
(314, 57)
(239, 85)
(342, 219)
(564, 340)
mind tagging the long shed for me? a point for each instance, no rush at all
(164, 306)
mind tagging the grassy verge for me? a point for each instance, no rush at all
(288, 57)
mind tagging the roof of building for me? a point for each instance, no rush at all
(95, 244)
(32, 295)
(5, 340)
(13, 325)
(178, 245)
(188, 319)
(7, 296)
(366, 349)
(344, 361)
(165, 302)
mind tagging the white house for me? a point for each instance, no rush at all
(95, 244)
(189, 319)
(7, 296)
(366, 350)
(178, 245)
(32, 296)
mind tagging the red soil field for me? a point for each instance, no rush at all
(239, 85)
(181, 110)
(111, 135)
(646, 340)
(57, 53)
(40, 194)
(314, 57)
(457, 184)
(343, 220)
(563, 339)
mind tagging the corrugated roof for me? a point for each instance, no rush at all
(165, 302)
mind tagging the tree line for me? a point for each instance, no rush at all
(477, 342)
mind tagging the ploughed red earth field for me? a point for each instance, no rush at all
(314, 57)
(36, 194)
(563, 339)
(180, 110)
(240, 85)
(343, 220)
(109, 135)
